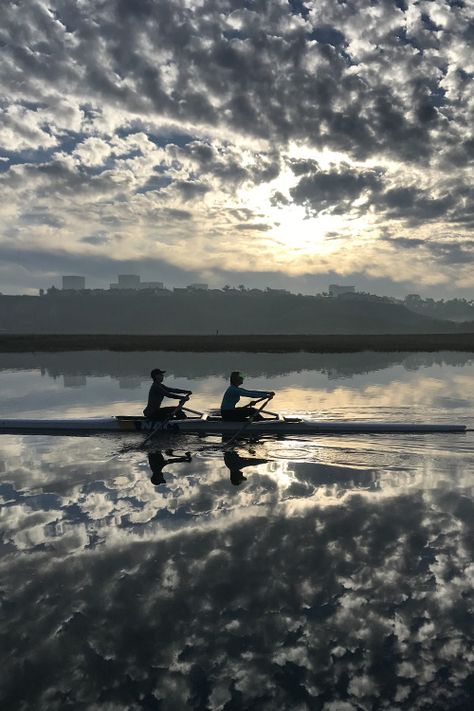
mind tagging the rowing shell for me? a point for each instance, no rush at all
(213, 425)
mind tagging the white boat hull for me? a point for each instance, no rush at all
(280, 426)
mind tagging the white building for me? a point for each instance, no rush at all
(337, 289)
(151, 285)
(74, 282)
(129, 281)
(126, 281)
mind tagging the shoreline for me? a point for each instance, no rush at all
(428, 342)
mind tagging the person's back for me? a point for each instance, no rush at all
(157, 392)
(232, 395)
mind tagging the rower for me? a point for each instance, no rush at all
(232, 395)
(158, 391)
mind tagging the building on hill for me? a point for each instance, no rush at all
(198, 287)
(78, 283)
(151, 285)
(126, 281)
(338, 289)
(133, 281)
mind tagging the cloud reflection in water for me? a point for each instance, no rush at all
(312, 585)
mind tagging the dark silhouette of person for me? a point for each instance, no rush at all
(157, 392)
(157, 462)
(235, 463)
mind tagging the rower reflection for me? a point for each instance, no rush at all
(310, 475)
(235, 463)
(157, 462)
(232, 460)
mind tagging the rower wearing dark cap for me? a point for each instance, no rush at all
(232, 395)
(158, 391)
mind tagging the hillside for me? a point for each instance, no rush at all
(206, 312)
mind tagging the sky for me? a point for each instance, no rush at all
(270, 143)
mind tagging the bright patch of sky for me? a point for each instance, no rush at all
(267, 142)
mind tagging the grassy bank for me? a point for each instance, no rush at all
(23, 343)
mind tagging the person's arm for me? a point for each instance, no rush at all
(180, 390)
(255, 393)
(174, 392)
(177, 460)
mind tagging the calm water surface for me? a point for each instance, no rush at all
(331, 573)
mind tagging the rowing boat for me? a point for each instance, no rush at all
(211, 424)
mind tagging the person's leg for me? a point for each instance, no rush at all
(163, 413)
(238, 414)
(254, 414)
(241, 414)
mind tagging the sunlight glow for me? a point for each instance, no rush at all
(294, 231)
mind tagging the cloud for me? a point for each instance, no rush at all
(191, 190)
(334, 190)
(40, 217)
(252, 226)
(123, 112)
(415, 206)
(448, 251)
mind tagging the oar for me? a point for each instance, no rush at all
(247, 422)
(159, 427)
(195, 412)
(267, 412)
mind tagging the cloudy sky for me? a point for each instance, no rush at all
(264, 142)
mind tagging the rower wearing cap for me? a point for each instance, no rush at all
(158, 391)
(232, 395)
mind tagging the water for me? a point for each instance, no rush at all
(333, 573)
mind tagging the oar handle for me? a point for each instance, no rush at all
(265, 398)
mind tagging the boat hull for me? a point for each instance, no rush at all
(280, 426)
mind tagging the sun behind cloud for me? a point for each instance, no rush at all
(269, 138)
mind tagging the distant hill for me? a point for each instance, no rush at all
(205, 312)
(457, 310)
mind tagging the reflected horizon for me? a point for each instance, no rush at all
(320, 385)
(134, 366)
